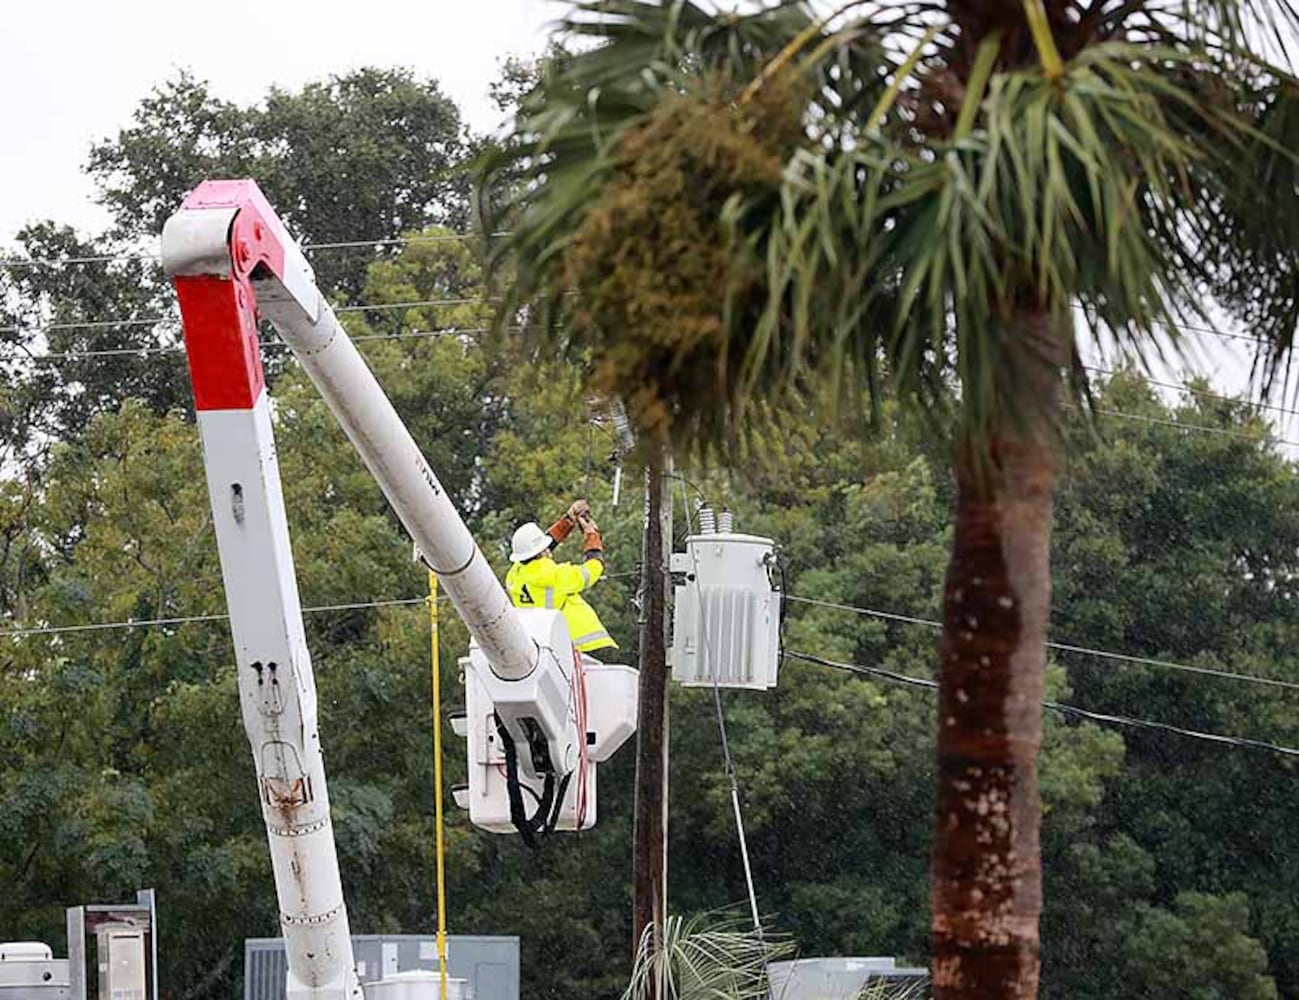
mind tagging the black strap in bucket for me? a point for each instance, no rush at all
(537, 827)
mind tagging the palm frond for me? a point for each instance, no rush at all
(1111, 188)
(714, 956)
(933, 191)
(661, 83)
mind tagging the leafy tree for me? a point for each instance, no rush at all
(915, 200)
(105, 306)
(122, 761)
(368, 155)
(1198, 950)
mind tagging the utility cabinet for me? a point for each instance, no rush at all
(726, 619)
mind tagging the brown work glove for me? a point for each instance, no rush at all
(560, 529)
(592, 544)
(578, 508)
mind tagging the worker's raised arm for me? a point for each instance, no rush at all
(564, 526)
(592, 544)
(571, 578)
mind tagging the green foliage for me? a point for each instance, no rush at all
(1200, 949)
(122, 760)
(661, 212)
(618, 186)
(367, 155)
(94, 306)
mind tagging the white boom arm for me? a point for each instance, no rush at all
(231, 260)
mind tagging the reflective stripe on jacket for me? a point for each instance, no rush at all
(544, 583)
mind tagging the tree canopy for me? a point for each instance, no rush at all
(123, 764)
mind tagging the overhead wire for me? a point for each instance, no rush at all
(1197, 428)
(1200, 393)
(1074, 711)
(271, 345)
(17, 260)
(20, 633)
(174, 321)
(133, 623)
(1064, 647)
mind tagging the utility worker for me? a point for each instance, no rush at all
(537, 581)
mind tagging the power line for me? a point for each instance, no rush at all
(1068, 710)
(419, 304)
(1200, 428)
(1202, 393)
(103, 324)
(20, 633)
(189, 619)
(14, 260)
(1254, 439)
(97, 324)
(270, 345)
(400, 241)
(178, 349)
(1064, 647)
(1180, 327)
(1211, 331)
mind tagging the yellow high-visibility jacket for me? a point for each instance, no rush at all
(544, 583)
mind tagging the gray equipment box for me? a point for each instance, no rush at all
(845, 979)
(490, 965)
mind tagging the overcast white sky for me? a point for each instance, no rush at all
(72, 72)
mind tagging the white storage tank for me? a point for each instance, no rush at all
(846, 979)
(417, 984)
(29, 971)
(726, 619)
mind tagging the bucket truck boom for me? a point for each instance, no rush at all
(543, 716)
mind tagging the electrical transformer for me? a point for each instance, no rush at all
(726, 620)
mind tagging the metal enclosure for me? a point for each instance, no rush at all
(123, 968)
(126, 948)
(488, 965)
(726, 619)
(845, 979)
(29, 971)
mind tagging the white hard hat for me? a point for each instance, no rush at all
(529, 541)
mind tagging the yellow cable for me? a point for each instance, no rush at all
(437, 778)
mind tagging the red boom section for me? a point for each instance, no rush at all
(219, 311)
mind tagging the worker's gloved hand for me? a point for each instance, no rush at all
(592, 544)
(578, 508)
(586, 522)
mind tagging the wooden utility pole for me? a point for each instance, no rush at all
(649, 836)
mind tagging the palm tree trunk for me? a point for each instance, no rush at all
(649, 833)
(986, 875)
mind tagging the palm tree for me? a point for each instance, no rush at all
(912, 199)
